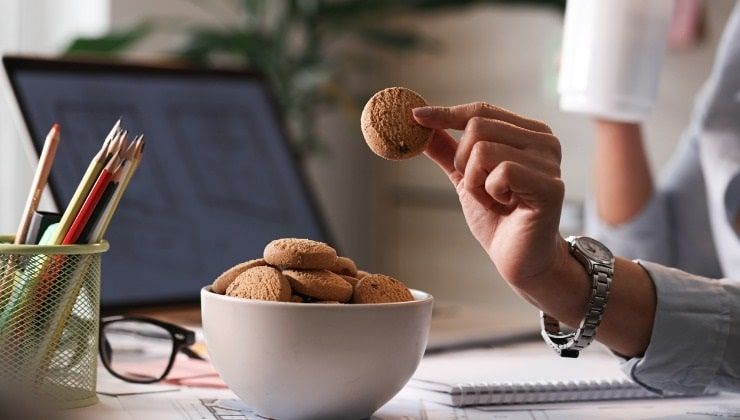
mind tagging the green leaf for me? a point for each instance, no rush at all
(112, 43)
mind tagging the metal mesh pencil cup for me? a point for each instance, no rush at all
(49, 320)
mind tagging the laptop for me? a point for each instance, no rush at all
(218, 180)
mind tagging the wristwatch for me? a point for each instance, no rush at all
(599, 264)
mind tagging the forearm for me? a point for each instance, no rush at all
(623, 183)
(628, 319)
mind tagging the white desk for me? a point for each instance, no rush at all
(191, 403)
(169, 406)
(201, 403)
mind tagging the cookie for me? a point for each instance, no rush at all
(303, 254)
(344, 266)
(223, 281)
(296, 299)
(351, 280)
(361, 274)
(379, 288)
(319, 284)
(389, 127)
(262, 283)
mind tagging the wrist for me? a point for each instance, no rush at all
(575, 290)
(563, 292)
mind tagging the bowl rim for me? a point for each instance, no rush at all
(424, 298)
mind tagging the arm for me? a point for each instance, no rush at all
(680, 332)
(623, 184)
(665, 222)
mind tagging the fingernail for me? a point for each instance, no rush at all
(424, 111)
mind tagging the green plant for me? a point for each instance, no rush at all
(293, 42)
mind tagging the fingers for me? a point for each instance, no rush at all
(511, 182)
(493, 138)
(457, 117)
(484, 129)
(441, 150)
(483, 177)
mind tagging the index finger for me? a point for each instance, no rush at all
(457, 117)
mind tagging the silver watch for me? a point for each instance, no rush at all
(599, 264)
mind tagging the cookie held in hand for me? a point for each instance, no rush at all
(389, 127)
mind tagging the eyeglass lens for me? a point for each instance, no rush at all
(136, 350)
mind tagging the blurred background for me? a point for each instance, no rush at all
(324, 59)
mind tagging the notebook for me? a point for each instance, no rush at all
(523, 374)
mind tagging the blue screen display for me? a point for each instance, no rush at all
(217, 181)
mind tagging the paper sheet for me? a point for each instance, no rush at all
(166, 402)
(213, 404)
(192, 406)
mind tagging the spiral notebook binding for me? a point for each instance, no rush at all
(504, 393)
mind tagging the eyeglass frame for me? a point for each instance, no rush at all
(182, 338)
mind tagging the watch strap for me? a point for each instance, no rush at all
(570, 344)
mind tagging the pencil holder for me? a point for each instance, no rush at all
(49, 319)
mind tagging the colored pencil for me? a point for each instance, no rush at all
(126, 174)
(92, 200)
(99, 216)
(128, 160)
(39, 182)
(83, 189)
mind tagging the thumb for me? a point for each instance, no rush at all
(441, 149)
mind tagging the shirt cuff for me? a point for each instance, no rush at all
(643, 236)
(690, 332)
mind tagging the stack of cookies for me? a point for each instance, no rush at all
(306, 271)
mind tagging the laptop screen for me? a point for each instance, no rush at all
(217, 181)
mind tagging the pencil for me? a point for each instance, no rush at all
(100, 209)
(138, 150)
(39, 182)
(88, 179)
(94, 225)
(92, 200)
(9, 320)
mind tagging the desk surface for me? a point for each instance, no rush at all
(181, 403)
(189, 404)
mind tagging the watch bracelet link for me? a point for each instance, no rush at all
(570, 344)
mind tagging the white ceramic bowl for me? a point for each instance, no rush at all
(315, 361)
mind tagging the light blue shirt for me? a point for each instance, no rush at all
(689, 224)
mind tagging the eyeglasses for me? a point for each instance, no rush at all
(142, 350)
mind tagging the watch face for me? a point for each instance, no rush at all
(594, 249)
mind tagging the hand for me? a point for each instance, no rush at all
(506, 170)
